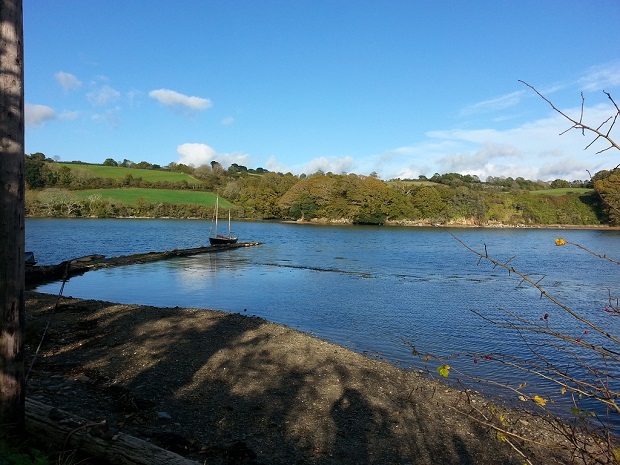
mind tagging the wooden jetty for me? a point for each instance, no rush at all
(36, 275)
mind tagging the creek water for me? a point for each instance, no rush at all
(376, 290)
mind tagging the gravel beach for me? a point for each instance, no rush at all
(224, 388)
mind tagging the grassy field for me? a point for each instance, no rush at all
(119, 173)
(130, 196)
(411, 183)
(563, 191)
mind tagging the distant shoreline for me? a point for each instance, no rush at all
(410, 223)
(345, 222)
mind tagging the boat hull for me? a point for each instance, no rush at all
(222, 240)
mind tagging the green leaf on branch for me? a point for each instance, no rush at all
(579, 412)
(444, 370)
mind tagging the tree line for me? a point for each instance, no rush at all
(449, 198)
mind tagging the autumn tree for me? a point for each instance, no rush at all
(358, 199)
(608, 188)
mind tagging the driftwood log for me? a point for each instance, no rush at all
(66, 431)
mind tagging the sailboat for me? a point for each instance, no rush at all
(220, 239)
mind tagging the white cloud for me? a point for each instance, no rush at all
(67, 81)
(479, 161)
(409, 162)
(568, 169)
(408, 173)
(602, 77)
(103, 95)
(196, 154)
(227, 159)
(37, 115)
(533, 150)
(133, 96)
(273, 165)
(499, 103)
(171, 98)
(69, 115)
(109, 117)
(327, 165)
(228, 121)
(491, 160)
(333, 165)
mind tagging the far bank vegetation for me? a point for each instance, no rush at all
(126, 189)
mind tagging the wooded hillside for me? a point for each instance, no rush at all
(179, 191)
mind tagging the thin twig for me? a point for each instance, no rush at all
(544, 293)
(579, 124)
(49, 321)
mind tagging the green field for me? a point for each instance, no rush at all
(563, 191)
(130, 196)
(120, 173)
(412, 183)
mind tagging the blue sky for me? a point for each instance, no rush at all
(399, 88)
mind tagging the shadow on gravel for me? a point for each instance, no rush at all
(231, 389)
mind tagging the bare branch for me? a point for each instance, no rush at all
(542, 291)
(580, 124)
(585, 249)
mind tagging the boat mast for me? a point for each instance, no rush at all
(217, 208)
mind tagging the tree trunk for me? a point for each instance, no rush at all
(69, 432)
(11, 218)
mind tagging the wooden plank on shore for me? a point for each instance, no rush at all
(66, 431)
(36, 275)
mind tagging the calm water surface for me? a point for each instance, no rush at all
(368, 288)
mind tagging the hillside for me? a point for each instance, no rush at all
(118, 173)
(75, 189)
(135, 196)
(564, 191)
